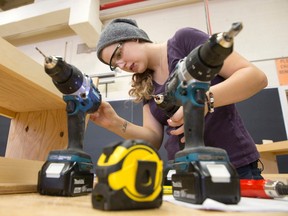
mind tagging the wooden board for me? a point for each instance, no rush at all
(24, 85)
(15, 188)
(275, 147)
(18, 176)
(33, 135)
(19, 171)
(268, 153)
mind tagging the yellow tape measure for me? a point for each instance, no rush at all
(132, 171)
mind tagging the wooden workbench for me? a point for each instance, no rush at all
(34, 204)
(269, 152)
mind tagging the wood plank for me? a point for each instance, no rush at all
(24, 85)
(33, 135)
(16, 188)
(34, 18)
(82, 17)
(18, 176)
(7, 113)
(85, 22)
(275, 147)
(270, 163)
(19, 171)
(268, 153)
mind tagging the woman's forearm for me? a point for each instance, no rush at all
(128, 130)
(240, 86)
(242, 80)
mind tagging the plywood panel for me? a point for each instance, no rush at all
(33, 135)
(19, 171)
(268, 153)
(16, 188)
(18, 176)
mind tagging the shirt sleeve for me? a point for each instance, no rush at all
(183, 42)
(190, 38)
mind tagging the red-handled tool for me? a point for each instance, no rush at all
(262, 188)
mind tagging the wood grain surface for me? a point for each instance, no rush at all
(33, 135)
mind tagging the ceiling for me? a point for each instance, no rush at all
(40, 26)
(10, 4)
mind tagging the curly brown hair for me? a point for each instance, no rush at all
(141, 86)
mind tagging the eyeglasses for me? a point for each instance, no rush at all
(116, 56)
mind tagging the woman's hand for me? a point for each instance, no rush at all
(177, 121)
(104, 115)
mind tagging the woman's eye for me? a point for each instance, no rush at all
(118, 56)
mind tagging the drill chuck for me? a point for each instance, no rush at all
(57, 69)
(67, 78)
(50, 62)
(204, 62)
(282, 189)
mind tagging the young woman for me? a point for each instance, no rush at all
(123, 44)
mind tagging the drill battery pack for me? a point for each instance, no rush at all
(216, 180)
(129, 177)
(66, 173)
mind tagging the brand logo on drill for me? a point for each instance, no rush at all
(60, 157)
(79, 181)
(177, 184)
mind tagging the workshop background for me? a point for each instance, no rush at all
(263, 41)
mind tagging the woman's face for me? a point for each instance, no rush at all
(128, 56)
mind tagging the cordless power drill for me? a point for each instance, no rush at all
(68, 172)
(200, 171)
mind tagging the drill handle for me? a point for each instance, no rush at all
(76, 126)
(194, 119)
(76, 129)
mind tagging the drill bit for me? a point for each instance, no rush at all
(40, 52)
(235, 29)
(50, 61)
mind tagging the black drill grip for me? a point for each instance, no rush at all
(194, 120)
(76, 130)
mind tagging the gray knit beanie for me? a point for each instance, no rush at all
(119, 30)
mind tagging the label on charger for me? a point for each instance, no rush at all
(54, 170)
(219, 173)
